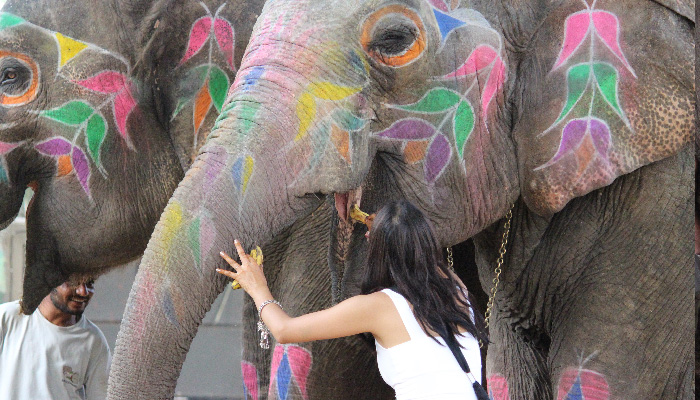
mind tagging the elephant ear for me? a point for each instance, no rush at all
(601, 109)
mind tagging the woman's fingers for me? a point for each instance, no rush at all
(241, 253)
(230, 274)
(230, 261)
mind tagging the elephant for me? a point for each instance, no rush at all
(105, 104)
(574, 119)
(105, 118)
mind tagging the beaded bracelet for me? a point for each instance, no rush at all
(262, 328)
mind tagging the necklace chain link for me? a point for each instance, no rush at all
(499, 264)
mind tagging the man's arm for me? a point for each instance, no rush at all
(98, 372)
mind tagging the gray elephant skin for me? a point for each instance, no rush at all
(579, 112)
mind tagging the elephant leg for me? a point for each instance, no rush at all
(514, 364)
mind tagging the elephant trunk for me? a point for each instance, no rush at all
(223, 197)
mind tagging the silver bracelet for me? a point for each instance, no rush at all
(262, 328)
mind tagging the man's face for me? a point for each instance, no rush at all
(72, 298)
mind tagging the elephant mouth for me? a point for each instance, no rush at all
(345, 201)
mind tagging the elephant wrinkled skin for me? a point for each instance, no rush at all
(579, 112)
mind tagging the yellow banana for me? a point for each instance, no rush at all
(257, 255)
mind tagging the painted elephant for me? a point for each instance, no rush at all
(105, 117)
(104, 105)
(580, 113)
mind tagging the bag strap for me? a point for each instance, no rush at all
(457, 352)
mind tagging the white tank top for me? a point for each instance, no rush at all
(422, 369)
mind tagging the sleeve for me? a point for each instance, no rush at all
(98, 371)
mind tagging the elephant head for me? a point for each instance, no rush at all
(101, 112)
(460, 110)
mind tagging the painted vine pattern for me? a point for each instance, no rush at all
(588, 137)
(426, 141)
(215, 32)
(87, 121)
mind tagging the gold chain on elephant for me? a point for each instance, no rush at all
(450, 260)
(498, 270)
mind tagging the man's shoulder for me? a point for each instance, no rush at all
(10, 309)
(94, 329)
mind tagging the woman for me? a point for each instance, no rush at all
(410, 302)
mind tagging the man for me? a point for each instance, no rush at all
(55, 353)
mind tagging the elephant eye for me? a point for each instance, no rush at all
(393, 35)
(8, 76)
(19, 79)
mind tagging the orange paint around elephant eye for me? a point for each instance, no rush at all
(411, 54)
(65, 166)
(32, 90)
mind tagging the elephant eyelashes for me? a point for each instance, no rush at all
(394, 41)
(393, 36)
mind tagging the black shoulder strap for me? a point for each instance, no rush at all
(454, 346)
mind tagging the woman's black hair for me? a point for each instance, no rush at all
(404, 255)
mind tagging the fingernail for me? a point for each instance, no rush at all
(221, 253)
(235, 240)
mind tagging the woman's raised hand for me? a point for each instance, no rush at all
(248, 273)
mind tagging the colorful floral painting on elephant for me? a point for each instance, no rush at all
(103, 116)
(465, 108)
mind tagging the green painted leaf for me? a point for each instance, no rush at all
(436, 100)
(95, 132)
(72, 113)
(7, 20)
(218, 87)
(463, 125)
(577, 81)
(348, 121)
(606, 78)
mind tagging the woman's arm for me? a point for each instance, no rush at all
(352, 316)
(358, 314)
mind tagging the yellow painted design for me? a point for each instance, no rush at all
(247, 171)
(330, 91)
(306, 112)
(69, 47)
(172, 224)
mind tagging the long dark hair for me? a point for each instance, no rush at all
(404, 255)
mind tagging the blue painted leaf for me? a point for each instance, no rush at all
(409, 129)
(447, 23)
(284, 376)
(348, 121)
(463, 125)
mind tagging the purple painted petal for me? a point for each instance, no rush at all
(82, 169)
(409, 129)
(216, 161)
(437, 157)
(572, 135)
(600, 133)
(57, 146)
